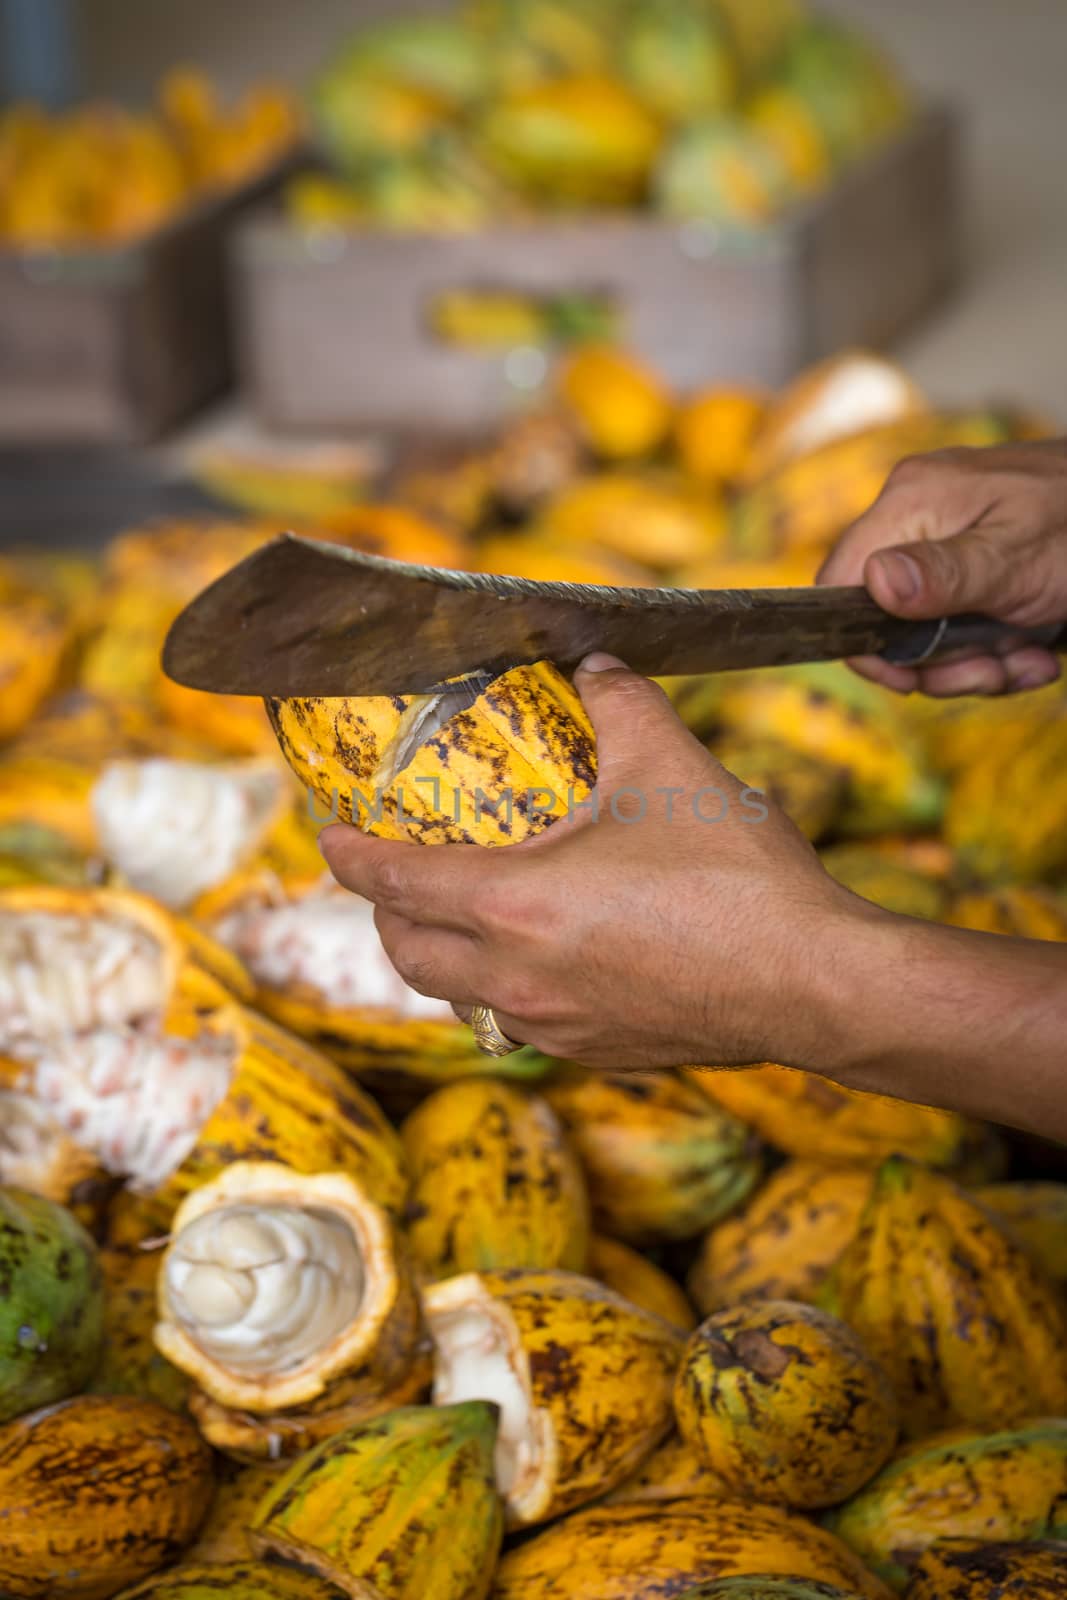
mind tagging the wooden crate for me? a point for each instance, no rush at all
(334, 331)
(113, 345)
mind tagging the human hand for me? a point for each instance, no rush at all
(966, 530)
(652, 936)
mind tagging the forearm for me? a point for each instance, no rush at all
(977, 1022)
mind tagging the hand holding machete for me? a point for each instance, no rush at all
(656, 940)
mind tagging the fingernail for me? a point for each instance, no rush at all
(600, 661)
(901, 573)
(1035, 678)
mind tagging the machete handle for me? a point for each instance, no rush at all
(920, 642)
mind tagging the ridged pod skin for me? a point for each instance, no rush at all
(494, 774)
(803, 1114)
(638, 1280)
(661, 1161)
(289, 1103)
(637, 1552)
(372, 1352)
(784, 1242)
(807, 501)
(97, 1493)
(51, 1303)
(494, 1183)
(889, 884)
(963, 1569)
(674, 1471)
(595, 1375)
(784, 1404)
(397, 1510)
(964, 1323)
(1036, 1215)
(1019, 910)
(236, 1580)
(129, 1361)
(960, 1484)
(1005, 814)
(808, 789)
(223, 1533)
(768, 1589)
(852, 725)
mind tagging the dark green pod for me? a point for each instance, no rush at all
(51, 1304)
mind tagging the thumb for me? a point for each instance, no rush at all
(943, 577)
(635, 724)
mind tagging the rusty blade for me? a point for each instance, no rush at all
(299, 617)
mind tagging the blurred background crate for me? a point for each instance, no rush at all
(115, 345)
(337, 327)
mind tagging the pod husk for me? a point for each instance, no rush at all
(964, 1324)
(597, 1373)
(526, 736)
(783, 1403)
(97, 1492)
(363, 1362)
(398, 1509)
(495, 1183)
(629, 1552)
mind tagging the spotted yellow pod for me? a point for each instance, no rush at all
(494, 1182)
(458, 767)
(97, 1492)
(782, 1244)
(762, 1588)
(853, 725)
(675, 1470)
(622, 1552)
(129, 1361)
(961, 1319)
(223, 1535)
(661, 1160)
(398, 1509)
(1036, 1215)
(964, 1483)
(639, 1280)
(583, 1379)
(971, 1569)
(783, 1402)
(806, 1115)
(288, 1103)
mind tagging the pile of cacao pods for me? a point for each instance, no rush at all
(727, 111)
(300, 1296)
(103, 174)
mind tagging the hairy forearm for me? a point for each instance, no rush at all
(974, 1021)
